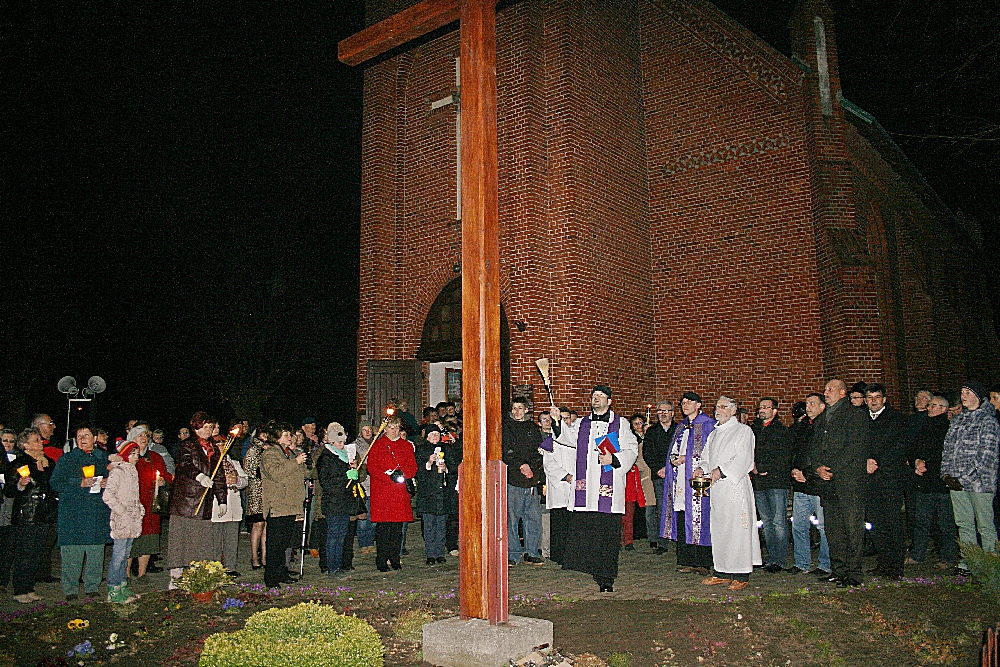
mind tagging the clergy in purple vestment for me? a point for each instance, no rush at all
(684, 518)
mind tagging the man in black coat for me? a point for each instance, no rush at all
(655, 450)
(839, 452)
(771, 480)
(931, 498)
(887, 468)
(521, 438)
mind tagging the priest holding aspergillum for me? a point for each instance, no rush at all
(606, 449)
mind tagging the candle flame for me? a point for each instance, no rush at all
(390, 411)
(235, 431)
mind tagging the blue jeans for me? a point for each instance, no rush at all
(118, 567)
(336, 529)
(365, 528)
(803, 507)
(653, 514)
(434, 531)
(523, 505)
(930, 509)
(772, 504)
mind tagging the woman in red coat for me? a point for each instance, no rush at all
(152, 472)
(390, 464)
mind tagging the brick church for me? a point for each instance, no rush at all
(681, 207)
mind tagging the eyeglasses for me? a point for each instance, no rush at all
(47, 424)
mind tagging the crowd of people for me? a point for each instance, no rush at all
(731, 492)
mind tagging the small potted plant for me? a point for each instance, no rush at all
(202, 579)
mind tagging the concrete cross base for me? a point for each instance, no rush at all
(475, 643)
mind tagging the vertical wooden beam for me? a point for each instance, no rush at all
(480, 302)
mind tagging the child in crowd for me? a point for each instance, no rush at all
(122, 496)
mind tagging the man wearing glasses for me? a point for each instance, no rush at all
(47, 428)
(655, 449)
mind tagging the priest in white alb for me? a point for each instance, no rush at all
(605, 449)
(728, 459)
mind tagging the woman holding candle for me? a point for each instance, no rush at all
(34, 509)
(391, 462)
(84, 520)
(153, 476)
(193, 536)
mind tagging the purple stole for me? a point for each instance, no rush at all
(582, 458)
(696, 514)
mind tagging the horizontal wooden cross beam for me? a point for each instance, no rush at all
(398, 29)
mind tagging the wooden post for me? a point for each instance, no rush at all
(480, 303)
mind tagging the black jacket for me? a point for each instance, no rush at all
(37, 503)
(331, 472)
(436, 491)
(656, 446)
(887, 444)
(773, 455)
(520, 446)
(802, 433)
(928, 447)
(840, 442)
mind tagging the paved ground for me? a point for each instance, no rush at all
(643, 576)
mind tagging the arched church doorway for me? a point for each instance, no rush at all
(441, 346)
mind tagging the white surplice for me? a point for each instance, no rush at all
(626, 457)
(735, 542)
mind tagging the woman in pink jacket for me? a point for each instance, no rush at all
(122, 496)
(390, 464)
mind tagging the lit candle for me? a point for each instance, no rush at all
(88, 471)
(24, 471)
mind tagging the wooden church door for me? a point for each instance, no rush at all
(394, 379)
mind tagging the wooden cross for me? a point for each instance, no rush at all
(482, 558)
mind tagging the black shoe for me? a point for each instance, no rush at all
(819, 572)
(234, 574)
(773, 568)
(442, 559)
(511, 563)
(153, 569)
(431, 561)
(796, 570)
(629, 547)
(654, 545)
(383, 568)
(47, 580)
(825, 576)
(607, 589)
(849, 582)
(397, 565)
(256, 567)
(534, 560)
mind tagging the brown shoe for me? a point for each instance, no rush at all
(738, 585)
(685, 570)
(715, 581)
(703, 571)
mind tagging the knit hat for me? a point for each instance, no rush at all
(336, 433)
(135, 432)
(127, 449)
(364, 422)
(603, 388)
(977, 388)
(429, 428)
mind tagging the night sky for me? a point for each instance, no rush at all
(182, 180)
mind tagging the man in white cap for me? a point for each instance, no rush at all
(606, 449)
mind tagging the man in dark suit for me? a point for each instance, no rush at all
(886, 469)
(839, 452)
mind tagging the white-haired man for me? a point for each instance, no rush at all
(728, 459)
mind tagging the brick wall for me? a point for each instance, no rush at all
(676, 212)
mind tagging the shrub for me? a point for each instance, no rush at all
(619, 659)
(985, 568)
(306, 635)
